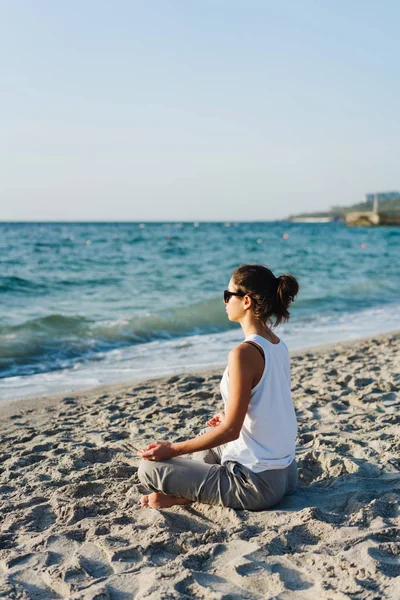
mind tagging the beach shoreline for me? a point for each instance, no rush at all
(9, 407)
(72, 524)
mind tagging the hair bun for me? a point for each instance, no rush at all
(288, 288)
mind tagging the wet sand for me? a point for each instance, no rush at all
(72, 525)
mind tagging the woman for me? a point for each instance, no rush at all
(245, 458)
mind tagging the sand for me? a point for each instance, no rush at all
(72, 525)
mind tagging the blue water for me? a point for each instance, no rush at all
(86, 303)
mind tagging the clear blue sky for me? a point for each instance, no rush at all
(196, 110)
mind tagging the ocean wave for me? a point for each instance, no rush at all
(57, 340)
(19, 285)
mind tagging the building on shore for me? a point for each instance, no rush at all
(381, 208)
(371, 218)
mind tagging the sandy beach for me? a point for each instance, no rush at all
(72, 525)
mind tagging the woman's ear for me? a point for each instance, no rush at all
(247, 302)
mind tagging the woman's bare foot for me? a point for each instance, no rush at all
(160, 500)
(144, 501)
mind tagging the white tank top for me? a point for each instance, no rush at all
(267, 439)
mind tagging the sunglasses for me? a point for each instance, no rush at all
(228, 294)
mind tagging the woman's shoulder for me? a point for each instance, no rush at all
(245, 351)
(244, 345)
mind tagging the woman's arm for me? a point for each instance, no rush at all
(210, 439)
(240, 366)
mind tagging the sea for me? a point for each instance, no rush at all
(82, 304)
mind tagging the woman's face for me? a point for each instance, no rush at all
(234, 306)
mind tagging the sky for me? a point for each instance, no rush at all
(196, 110)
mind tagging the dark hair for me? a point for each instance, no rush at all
(272, 295)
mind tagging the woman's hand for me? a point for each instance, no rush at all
(157, 451)
(216, 420)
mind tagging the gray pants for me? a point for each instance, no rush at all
(204, 479)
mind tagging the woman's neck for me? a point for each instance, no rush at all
(259, 329)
